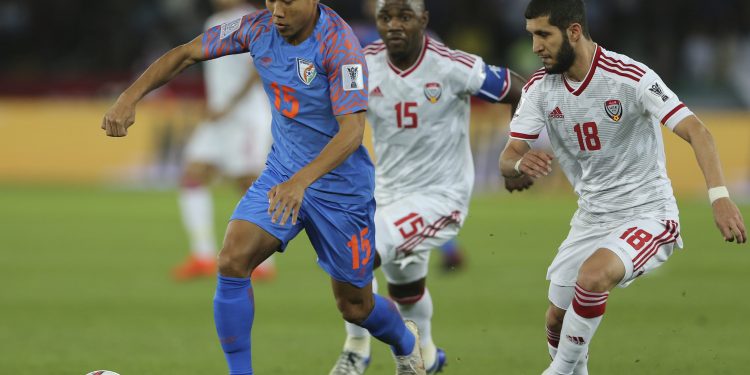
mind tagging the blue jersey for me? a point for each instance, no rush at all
(308, 85)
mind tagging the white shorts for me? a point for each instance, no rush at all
(238, 147)
(408, 228)
(643, 245)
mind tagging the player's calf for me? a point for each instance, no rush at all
(355, 304)
(560, 298)
(601, 272)
(415, 303)
(554, 318)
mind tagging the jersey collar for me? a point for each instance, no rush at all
(589, 75)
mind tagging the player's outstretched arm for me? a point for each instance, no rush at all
(285, 199)
(726, 214)
(519, 159)
(121, 115)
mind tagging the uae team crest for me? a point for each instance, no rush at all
(614, 109)
(306, 71)
(432, 91)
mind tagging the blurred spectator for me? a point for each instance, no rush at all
(700, 47)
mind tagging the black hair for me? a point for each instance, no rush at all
(562, 13)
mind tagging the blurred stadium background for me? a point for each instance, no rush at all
(89, 225)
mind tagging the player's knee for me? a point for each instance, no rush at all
(595, 280)
(601, 272)
(233, 261)
(354, 310)
(407, 294)
(232, 266)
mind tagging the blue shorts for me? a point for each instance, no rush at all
(342, 234)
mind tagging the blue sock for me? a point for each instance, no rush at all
(450, 247)
(233, 314)
(386, 324)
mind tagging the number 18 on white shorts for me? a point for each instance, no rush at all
(643, 245)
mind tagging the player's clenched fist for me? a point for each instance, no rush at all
(535, 163)
(520, 183)
(118, 119)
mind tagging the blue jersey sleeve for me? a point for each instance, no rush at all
(233, 37)
(496, 84)
(345, 64)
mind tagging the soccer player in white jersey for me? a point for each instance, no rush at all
(603, 112)
(419, 112)
(233, 140)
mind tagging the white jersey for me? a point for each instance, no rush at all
(420, 122)
(605, 134)
(226, 76)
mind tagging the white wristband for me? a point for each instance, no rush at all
(715, 193)
(518, 164)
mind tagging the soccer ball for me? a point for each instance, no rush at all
(102, 372)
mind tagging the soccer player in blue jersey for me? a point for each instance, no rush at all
(318, 176)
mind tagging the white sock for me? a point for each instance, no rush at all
(196, 206)
(358, 338)
(582, 365)
(553, 340)
(359, 345)
(579, 326)
(421, 313)
(552, 350)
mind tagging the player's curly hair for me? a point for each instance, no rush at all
(562, 13)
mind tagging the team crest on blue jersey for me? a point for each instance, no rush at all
(433, 91)
(306, 71)
(614, 109)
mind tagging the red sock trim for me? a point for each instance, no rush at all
(589, 304)
(553, 338)
(407, 300)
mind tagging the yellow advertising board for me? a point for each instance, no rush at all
(57, 140)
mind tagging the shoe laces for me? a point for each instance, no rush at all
(347, 364)
(406, 365)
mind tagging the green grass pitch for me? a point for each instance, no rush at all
(84, 285)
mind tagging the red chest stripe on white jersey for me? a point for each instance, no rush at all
(373, 51)
(615, 61)
(374, 48)
(616, 71)
(538, 75)
(458, 56)
(451, 57)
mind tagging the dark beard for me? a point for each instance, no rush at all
(564, 58)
